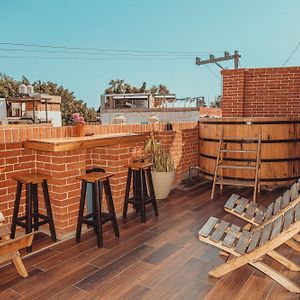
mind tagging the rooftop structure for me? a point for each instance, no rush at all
(145, 107)
(36, 108)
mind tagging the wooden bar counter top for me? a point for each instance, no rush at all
(85, 142)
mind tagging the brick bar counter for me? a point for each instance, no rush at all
(56, 151)
(67, 158)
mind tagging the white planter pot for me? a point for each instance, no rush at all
(162, 182)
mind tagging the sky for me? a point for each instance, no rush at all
(265, 32)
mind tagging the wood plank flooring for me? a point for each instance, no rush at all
(162, 259)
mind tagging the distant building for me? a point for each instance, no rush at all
(38, 108)
(148, 108)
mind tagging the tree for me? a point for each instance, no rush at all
(8, 86)
(118, 86)
(143, 88)
(69, 104)
(154, 89)
(163, 90)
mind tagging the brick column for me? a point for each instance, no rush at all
(233, 93)
(64, 188)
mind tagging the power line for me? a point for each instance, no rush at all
(91, 58)
(93, 53)
(105, 50)
(287, 60)
(213, 72)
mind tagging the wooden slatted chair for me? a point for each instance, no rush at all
(249, 247)
(9, 249)
(258, 215)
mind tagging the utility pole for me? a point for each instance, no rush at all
(214, 60)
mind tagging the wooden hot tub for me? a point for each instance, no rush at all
(280, 149)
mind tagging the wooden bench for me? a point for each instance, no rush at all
(9, 249)
(248, 247)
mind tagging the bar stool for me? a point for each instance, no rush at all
(143, 191)
(96, 218)
(32, 205)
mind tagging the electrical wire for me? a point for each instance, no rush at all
(91, 58)
(94, 53)
(290, 56)
(107, 50)
(214, 73)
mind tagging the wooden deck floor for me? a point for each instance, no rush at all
(162, 259)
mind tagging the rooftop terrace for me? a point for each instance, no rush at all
(160, 259)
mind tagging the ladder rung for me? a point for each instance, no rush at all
(239, 151)
(235, 182)
(219, 180)
(236, 167)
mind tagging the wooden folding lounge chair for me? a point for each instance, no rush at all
(258, 215)
(9, 249)
(248, 247)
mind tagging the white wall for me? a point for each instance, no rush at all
(53, 116)
(141, 117)
(3, 115)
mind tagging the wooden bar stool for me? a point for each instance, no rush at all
(96, 218)
(143, 191)
(32, 205)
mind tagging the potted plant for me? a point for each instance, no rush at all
(78, 120)
(163, 170)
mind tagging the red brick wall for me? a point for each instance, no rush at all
(17, 160)
(65, 166)
(261, 92)
(210, 111)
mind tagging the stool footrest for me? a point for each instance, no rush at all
(140, 178)
(32, 218)
(88, 219)
(100, 185)
(138, 202)
(21, 221)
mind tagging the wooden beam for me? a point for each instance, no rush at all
(86, 142)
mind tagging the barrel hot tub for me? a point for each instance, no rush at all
(280, 148)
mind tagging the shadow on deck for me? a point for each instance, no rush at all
(162, 259)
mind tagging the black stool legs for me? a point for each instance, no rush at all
(81, 210)
(151, 191)
(97, 217)
(16, 210)
(143, 192)
(111, 208)
(32, 210)
(48, 209)
(125, 208)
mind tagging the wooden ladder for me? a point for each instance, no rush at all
(220, 165)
